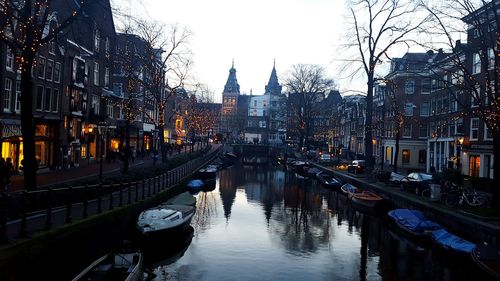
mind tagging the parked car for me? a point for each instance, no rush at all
(396, 178)
(416, 182)
(325, 158)
(356, 166)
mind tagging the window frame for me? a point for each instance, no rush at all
(474, 128)
(7, 95)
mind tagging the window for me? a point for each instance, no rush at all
(49, 70)
(55, 100)
(409, 109)
(52, 47)
(47, 102)
(110, 110)
(422, 156)
(422, 131)
(57, 72)
(426, 86)
(96, 73)
(407, 131)
(474, 165)
(410, 87)
(474, 128)
(475, 96)
(424, 109)
(487, 133)
(106, 47)
(41, 68)
(18, 96)
(117, 89)
(95, 104)
(39, 98)
(7, 95)
(476, 63)
(97, 40)
(106, 77)
(491, 58)
(406, 156)
(9, 61)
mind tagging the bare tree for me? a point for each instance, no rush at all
(473, 68)
(306, 85)
(25, 27)
(202, 114)
(385, 25)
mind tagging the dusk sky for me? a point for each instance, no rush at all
(254, 33)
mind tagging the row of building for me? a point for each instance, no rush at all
(92, 91)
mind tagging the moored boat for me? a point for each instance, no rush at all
(451, 242)
(184, 198)
(365, 200)
(164, 219)
(328, 180)
(349, 188)
(114, 267)
(413, 222)
(488, 258)
(207, 173)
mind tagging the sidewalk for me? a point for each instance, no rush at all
(84, 171)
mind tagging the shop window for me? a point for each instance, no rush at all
(406, 156)
(474, 165)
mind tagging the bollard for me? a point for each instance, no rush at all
(99, 200)
(85, 202)
(129, 193)
(69, 206)
(111, 197)
(3, 217)
(48, 213)
(24, 202)
(120, 198)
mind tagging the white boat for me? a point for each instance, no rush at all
(164, 219)
(114, 267)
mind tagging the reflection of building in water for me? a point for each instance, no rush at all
(266, 188)
(227, 189)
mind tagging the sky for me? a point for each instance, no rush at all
(255, 33)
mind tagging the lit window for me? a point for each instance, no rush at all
(96, 73)
(476, 63)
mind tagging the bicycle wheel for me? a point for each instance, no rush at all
(426, 193)
(478, 201)
(452, 200)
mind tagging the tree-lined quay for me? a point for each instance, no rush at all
(28, 212)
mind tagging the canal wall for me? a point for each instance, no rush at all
(64, 251)
(471, 227)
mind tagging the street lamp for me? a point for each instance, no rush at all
(103, 128)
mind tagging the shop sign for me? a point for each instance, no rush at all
(11, 131)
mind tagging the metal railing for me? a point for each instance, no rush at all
(34, 211)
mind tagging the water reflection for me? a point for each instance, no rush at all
(265, 224)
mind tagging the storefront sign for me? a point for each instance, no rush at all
(11, 131)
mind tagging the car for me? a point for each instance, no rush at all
(416, 182)
(356, 166)
(325, 158)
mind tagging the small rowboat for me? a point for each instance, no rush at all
(118, 266)
(365, 200)
(328, 180)
(451, 242)
(413, 223)
(488, 258)
(349, 188)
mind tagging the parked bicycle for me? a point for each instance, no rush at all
(466, 198)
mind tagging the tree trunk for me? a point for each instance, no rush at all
(496, 171)
(368, 124)
(126, 153)
(27, 122)
(396, 152)
(163, 148)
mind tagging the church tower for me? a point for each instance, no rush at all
(277, 109)
(273, 86)
(229, 122)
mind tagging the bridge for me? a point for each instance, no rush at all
(257, 153)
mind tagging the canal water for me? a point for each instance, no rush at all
(263, 223)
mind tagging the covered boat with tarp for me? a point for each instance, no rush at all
(413, 222)
(451, 242)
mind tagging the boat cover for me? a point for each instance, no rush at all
(195, 184)
(413, 220)
(349, 188)
(184, 198)
(451, 241)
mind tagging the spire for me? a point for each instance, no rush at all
(232, 85)
(273, 86)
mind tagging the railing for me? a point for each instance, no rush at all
(33, 211)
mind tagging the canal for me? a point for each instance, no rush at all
(263, 223)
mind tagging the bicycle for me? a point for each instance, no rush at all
(466, 198)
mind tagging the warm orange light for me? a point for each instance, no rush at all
(461, 140)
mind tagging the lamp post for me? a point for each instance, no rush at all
(103, 128)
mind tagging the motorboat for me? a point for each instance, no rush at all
(328, 180)
(114, 267)
(165, 219)
(195, 185)
(413, 222)
(488, 258)
(451, 242)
